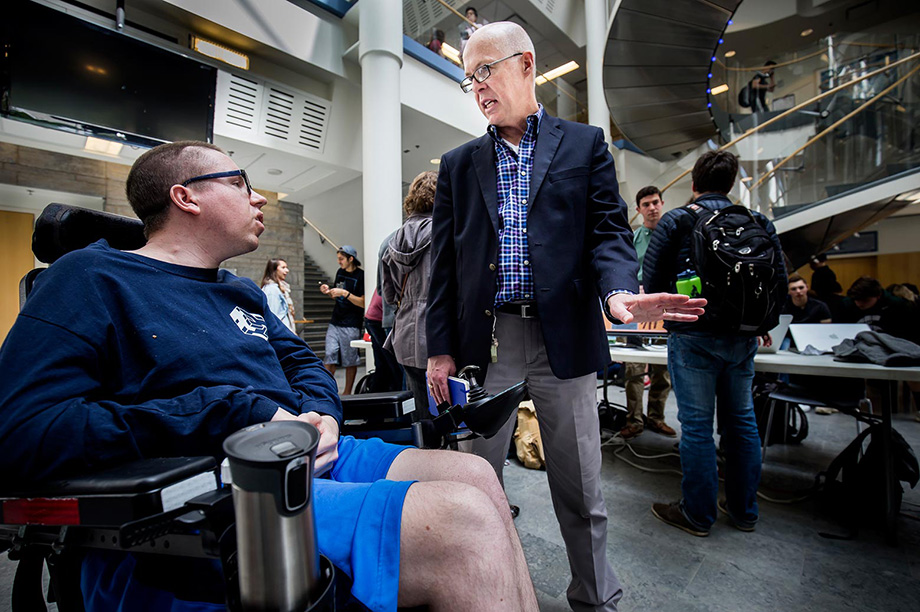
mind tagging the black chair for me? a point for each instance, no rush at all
(848, 403)
(126, 507)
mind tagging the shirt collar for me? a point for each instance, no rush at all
(533, 123)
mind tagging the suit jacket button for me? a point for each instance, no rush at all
(488, 313)
(492, 267)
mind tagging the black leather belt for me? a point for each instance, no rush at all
(525, 311)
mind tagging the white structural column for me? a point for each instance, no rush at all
(380, 52)
(566, 108)
(596, 35)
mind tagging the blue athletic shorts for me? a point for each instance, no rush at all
(358, 519)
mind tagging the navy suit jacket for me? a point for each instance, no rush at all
(578, 236)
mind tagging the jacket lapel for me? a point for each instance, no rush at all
(484, 162)
(547, 143)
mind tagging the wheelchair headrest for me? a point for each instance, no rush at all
(62, 228)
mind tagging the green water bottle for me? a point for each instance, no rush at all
(688, 283)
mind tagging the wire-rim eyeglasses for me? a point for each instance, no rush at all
(482, 73)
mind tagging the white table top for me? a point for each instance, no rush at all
(783, 361)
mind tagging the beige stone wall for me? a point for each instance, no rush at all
(282, 238)
(38, 169)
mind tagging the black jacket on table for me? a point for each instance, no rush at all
(578, 236)
(668, 255)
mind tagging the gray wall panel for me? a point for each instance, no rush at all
(616, 77)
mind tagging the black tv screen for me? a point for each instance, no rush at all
(92, 80)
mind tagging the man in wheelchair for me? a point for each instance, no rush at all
(122, 355)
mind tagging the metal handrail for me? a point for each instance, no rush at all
(323, 238)
(799, 107)
(810, 55)
(834, 126)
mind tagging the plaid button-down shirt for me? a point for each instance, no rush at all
(515, 278)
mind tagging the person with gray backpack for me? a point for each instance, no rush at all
(732, 257)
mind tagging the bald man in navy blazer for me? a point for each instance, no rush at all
(529, 237)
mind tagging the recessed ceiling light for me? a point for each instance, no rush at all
(719, 89)
(807, 32)
(436, 161)
(220, 52)
(450, 53)
(281, 196)
(274, 171)
(557, 72)
(729, 54)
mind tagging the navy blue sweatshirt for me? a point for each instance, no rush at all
(117, 357)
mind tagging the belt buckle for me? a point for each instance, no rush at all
(525, 309)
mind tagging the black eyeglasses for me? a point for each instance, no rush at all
(217, 175)
(482, 73)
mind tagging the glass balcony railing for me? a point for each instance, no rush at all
(840, 117)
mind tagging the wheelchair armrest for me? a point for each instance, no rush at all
(112, 496)
(375, 406)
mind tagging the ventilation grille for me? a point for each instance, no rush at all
(270, 115)
(420, 17)
(242, 103)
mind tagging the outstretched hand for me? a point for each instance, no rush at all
(649, 307)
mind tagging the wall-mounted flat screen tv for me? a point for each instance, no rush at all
(62, 72)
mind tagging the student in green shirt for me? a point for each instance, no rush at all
(650, 205)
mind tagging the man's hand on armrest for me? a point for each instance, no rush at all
(328, 450)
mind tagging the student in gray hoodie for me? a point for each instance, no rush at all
(406, 270)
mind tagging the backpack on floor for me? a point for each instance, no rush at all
(852, 488)
(736, 261)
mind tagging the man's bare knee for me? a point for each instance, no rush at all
(480, 474)
(453, 547)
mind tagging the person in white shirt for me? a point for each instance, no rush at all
(278, 291)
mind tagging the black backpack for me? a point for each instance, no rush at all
(744, 96)
(852, 488)
(737, 263)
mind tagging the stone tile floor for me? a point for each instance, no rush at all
(784, 565)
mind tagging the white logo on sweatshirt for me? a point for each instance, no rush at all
(250, 324)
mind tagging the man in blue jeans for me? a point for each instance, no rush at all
(708, 365)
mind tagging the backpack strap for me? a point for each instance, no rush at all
(848, 456)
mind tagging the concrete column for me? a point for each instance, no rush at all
(596, 34)
(380, 53)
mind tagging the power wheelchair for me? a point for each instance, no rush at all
(183, 506)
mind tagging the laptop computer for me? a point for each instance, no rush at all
(777, 334)
(823, 337)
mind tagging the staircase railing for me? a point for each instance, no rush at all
(323, 238)
(878, 144)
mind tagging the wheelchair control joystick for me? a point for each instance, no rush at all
(482, 414)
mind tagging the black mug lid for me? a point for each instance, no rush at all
(271, 445)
